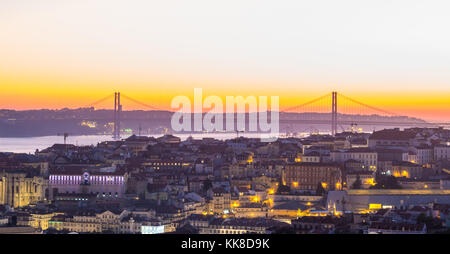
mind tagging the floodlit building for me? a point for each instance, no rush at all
(307, 176)
(372, 199)
(103, 184)
(19, 188)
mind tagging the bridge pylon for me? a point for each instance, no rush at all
(334, 114)
(117, 111)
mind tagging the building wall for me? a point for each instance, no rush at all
(424, 155)
(388, 143)
(221, 202)
(218, 229)
(308, 176)
(444, 184)
(407, 171)
(442, 153)
(109, 185)
(366, 180)
(369, 159)
(17, 190)
(358, 200)
(41, 221)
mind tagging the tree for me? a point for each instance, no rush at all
(357, 183)
(386, 182)
(429, 221)
(283, 189)
(207, 185)
(320, 190)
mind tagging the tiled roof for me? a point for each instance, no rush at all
(393, 134)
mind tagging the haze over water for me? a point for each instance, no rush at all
(30, 144)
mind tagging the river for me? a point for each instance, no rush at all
(30, 144)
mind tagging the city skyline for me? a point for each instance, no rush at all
(222, 125)
(392, 55)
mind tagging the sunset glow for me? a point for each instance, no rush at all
(58, 54)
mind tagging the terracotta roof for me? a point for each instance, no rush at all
(393, 134)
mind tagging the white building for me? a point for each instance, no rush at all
(441, 153)
(409, 156)
(445, 184)
(424, 154)
(104, 184)
(363, 200)
(366, 156)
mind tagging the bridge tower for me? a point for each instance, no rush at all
(117, 111)
(115, 115)
(334, 114)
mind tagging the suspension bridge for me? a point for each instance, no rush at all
(332, 109)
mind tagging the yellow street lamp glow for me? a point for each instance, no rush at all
(370, 181)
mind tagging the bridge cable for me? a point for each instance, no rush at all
(140, 103)
(99, 101)
(307, 103)
(368, 106)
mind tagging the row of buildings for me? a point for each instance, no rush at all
(158, 185)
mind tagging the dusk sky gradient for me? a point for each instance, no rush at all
(391, 54)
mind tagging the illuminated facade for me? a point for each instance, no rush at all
(406, 169)
(240, 226)
(87, 222)
(104, 184)
(367, 179)
(19, 189)
(253, 210)
(221, 202)
(306, 176)
(41, 220)
(363, 200)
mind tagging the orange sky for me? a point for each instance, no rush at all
(392, 54)
(37, 92)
